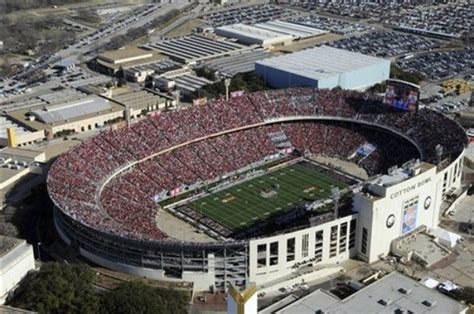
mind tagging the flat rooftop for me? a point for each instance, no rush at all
(80, 114)
(154, 57)
(394, 293)
(7, 244)
(73, 110)
(306, 305)
(138, 99)
(401, 174)
(424, 246)
(195, 48)
(251, 31)
(119, 55)
(239, 63)
(10, 152)
(293, 29)
(321, 62)
(6, 124)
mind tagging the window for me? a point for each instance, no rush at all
(304, 245)
(261, 255)
(363, 247)
(333, 243)
(318, 246)
(455, 173)
(352, 234)
(342, 237)
(273, 253)
(290, 249)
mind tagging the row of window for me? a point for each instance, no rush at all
(339, 239)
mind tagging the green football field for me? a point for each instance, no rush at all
(244, 204)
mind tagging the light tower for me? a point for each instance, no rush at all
(336, 195)
(439, 152)
(177, 95)
(227, 84)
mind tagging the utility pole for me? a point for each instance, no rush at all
(177, 98)
(336, 195)
(227, 84)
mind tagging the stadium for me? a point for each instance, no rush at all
(234, 191)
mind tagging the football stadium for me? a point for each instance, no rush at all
(236, 191)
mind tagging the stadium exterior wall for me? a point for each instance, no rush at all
(328, 243)
(407, 205)
(207, 265)
(212, 265)
(238, 261)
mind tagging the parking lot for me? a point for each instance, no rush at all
(385, 44)
(450, 20)
(444, 20)
(333, 25)
(247, 15)
(440, 65)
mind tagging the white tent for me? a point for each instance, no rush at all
(445, 237)
(429, 282)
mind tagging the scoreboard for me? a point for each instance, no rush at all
(402, 95)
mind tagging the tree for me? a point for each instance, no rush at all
(465, 294)
(206, 73)
(121, 82)
(398, 73)
(8, 229)
(58, 288)
(136, 297)
(249, 82)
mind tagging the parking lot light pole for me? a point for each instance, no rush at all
(38, 246)
(227, 84)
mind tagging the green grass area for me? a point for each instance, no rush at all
(187, 194)
(244, 204)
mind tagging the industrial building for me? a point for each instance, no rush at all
(86, 114)
(323, 67)
(239, 63)
(268, 34)
(195, 48)
(124, 55)
(186, 83)
(252, 35)
(111, 62)
(23, 135)
(394, 293)
(16, 259)
(81, 115)
(17, 163)
(140, 102)
(139, 73)
(70, 111)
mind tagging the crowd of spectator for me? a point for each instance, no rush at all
(126, 204)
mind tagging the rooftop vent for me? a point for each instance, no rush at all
(384, 302)
(404, 291)
(428, 303)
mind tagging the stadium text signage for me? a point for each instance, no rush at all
(409, 188)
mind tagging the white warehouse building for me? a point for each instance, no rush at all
(323, 67)
(16, 260)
